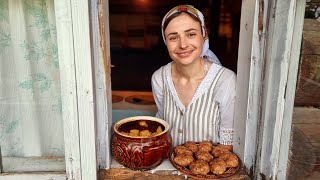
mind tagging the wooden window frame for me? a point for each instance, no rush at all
(266, 81)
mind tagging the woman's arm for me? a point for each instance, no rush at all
(226, 95)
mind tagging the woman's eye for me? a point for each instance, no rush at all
(173, 38)
(192, 34)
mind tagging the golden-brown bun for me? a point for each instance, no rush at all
(205, 146)
(192, 146)
(218, 166)
(205, 156)
(218, 151)
(230, 159)
(183, 160)
(182, 150)
(199, 167)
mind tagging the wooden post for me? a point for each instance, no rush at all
(78, 110)
(100, 38)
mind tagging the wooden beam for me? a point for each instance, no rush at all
(73, 36)
(33, 164)
(100, 38)
(66, 50)
(33, 176)
(84, 81)
(281, 59)
(281, 171)
(250, 64)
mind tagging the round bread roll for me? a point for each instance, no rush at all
(203, 155)
(218, 151)
(218, 166)
(230, 159)
(199, 167)
(192, 146)
(183, 160)
(182, 150)
(205, 146)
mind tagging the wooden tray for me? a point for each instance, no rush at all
(229, 172)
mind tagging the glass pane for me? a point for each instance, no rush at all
(30, 109)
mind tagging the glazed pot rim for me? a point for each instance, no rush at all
(147, 118)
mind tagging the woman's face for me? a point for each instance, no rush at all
(184, 39)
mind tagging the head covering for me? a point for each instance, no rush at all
(206, 52)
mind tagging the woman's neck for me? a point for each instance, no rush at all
(197, 70)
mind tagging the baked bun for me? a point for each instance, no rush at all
(192, 146)
(199, 167)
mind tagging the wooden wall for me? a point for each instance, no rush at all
(308, 84)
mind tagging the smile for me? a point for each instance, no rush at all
(184, 54)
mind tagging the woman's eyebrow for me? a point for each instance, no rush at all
(188, 30)
(192, 29)
(173, 33)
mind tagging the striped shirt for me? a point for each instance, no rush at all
(209, 115)
(199, 121)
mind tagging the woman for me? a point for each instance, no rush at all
(193, 93)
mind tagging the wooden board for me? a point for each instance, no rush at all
(308, 85)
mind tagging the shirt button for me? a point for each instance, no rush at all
(180, 131)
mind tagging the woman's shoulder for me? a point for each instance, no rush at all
(158, 73)
(227, 76)
(228, 72)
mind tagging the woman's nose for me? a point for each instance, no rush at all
(183, 43)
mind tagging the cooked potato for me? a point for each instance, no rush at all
(134, 132)
(143, 124)
(159, 130)
(144, 133)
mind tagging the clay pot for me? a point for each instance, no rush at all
(140, 153)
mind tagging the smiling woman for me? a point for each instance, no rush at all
(135, 38)
(194, 93)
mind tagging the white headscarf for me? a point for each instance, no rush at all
(206, 52)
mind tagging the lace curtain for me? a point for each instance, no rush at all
(30, 101)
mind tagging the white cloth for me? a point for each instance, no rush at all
(30, 101)
(206, 52)
(224, 94)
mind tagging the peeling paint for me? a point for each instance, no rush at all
(260, 19)
(107, 64)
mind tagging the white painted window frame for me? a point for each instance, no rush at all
(265, 92)
(269, 50)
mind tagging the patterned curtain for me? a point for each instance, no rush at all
(30, 101)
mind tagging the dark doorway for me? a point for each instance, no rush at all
(137, 48)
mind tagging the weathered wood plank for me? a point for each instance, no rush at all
(68, 87)
(308, 87)
(310, 130)
(281, 171)
(33, 164)
(311, 25)
(102, 80)
(311, 42)
(34, 176)
(306, 115)
(282, 57)
(244, 144)
(84, 82)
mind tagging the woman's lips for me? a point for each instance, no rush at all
(184, 54)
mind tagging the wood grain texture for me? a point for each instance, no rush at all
(85, 91)
(102, 81)
(308, 87)
(33, 164)
(241, 147)
(64, 23)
